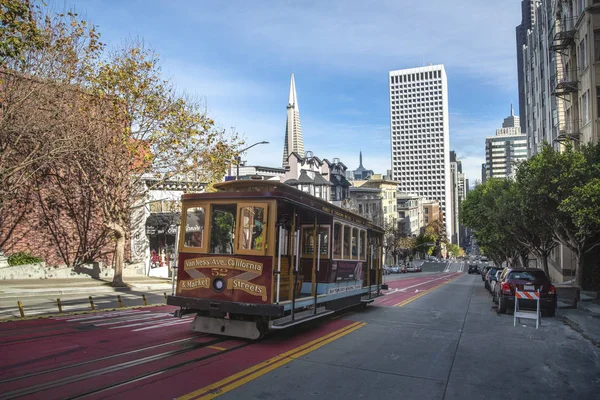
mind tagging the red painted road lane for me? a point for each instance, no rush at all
(85, 341)
(97, 360)
(84, 386)
(188, 378)
(405, 289)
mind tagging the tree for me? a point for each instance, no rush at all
(18, 29)
(80, 122)
(151, 129)
(42, 117)
(575, 192)
(533, 217)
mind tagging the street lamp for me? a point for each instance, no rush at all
(239, 158)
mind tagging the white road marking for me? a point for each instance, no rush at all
(162, 325)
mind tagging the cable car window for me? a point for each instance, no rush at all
(324, 232)
(308, 241)
(222, 228)
(355, 243)
(347, 240)
(252, 228)
(363, 245)
(194, 227)
(337, 240)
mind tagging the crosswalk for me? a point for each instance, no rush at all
(129, 320)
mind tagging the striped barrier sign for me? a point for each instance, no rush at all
(527, 295)
(518, 315)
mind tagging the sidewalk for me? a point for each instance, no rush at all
(585, 318)
(56, 287)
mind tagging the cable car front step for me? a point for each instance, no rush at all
(299, 318)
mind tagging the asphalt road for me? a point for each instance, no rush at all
(448, 344)
(432, 336)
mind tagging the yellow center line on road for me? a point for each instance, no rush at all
(227, 384)
(411, 299)
(217, 348)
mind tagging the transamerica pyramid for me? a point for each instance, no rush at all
(293, 129)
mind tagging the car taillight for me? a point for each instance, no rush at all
(552, 290)
(505, 288)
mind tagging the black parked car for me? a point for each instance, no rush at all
(473, 269)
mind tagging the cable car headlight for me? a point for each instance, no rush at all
(218, 284)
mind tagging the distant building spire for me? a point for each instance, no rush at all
(512, 111)
(360, 162)
(293, 129)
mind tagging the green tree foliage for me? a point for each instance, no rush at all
(18, 29)
(555, 198)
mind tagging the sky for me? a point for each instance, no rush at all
(237, 57)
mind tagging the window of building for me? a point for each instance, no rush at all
(585, 114)
(582, 53)
(598, 100)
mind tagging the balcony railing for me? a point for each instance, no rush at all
(568, 130)
(565, 83)
(564, 34)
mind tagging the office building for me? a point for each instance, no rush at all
(504, 151)
(420, 135)
(527, 21)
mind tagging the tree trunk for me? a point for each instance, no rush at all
(119, 233)
(579, 270)
(545, 264)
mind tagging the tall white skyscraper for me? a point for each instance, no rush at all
(293, 129)
(420, 135)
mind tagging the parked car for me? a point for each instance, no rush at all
(387, 270)
(525, 279)
(493, 279)
(403, 269)
(484, 271)
(489, 276)
(473, 269)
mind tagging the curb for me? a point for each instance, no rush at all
(60, 292)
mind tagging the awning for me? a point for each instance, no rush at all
(162, 223)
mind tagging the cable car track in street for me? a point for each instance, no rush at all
(45, 386)
(16, 378)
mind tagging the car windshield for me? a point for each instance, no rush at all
(528, 276)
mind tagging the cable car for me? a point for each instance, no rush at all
(256, 256)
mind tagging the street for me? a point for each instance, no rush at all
(434, 335)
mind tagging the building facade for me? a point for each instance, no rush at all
(506, 150)
(527, 21)
(388, 191)
(293, 130)
(410, 213)
(260, 172)
(306, 174)
(561, 65)
(431, 211)
(420, 134)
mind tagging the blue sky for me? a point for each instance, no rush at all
(237, 56)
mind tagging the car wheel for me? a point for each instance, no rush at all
(501, 306)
